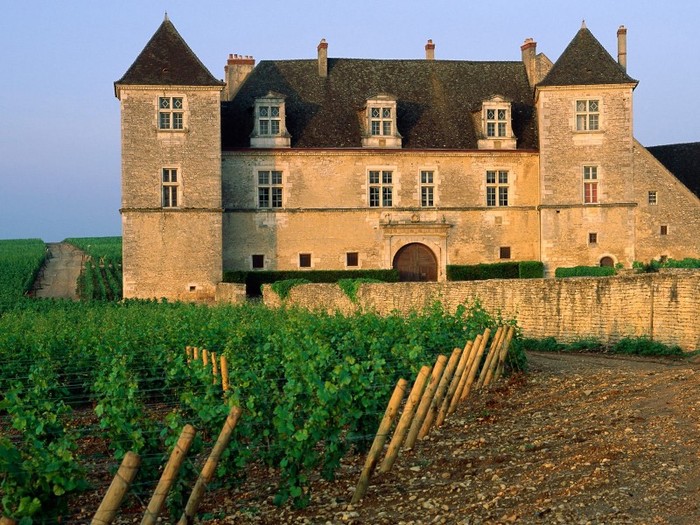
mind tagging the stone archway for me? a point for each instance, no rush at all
(416, 262)
(607, 261)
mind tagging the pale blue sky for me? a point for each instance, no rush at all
(59, 142)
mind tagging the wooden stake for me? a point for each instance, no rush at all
(425, 401)
(205, 357)
(195, 352)
(209, 467)
(177, 456)
(493, 351)
(188, 351)
(224, 373)
(7, 521)
(440, 393)
(379, 440)
(107, 510)
(504, 353)
(456, 378)
(406, 416)
(465, 376)
(214, 366)
(475, 365)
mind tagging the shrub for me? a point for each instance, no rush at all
(644, 346)
(350, 286)
(479, 272)
(584, 271)
(282, 288)
(530, 269)
(548, 344)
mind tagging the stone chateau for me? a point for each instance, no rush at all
(334, 163)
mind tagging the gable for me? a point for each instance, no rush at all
(683, 160)
(435, 101)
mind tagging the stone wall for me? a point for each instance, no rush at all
(662, 306)
(232, 293)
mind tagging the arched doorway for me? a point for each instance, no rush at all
(607, 261)
(416, 262)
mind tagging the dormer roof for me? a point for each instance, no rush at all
(586, 62)
(167, 60)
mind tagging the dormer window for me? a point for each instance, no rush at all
(270, 130)
(380, 123)
(496, 128)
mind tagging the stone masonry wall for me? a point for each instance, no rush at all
(661, 306)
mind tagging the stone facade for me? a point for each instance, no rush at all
(276, 167)
(660, 306)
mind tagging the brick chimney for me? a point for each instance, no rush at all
(237, 69)
(529, 54)
(622, 47)
(322, 58)
(430, 50)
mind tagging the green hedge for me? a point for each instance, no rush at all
(584, 271)
(255, 280)
(505, 270)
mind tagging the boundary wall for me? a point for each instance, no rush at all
(663, 306)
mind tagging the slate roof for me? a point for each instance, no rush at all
(586, 62)
(435, 101)
(168, 60)
(683, 160)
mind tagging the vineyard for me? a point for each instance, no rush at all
(20, 261)
(83, 383)
(101, 278)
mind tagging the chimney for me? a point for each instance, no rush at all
(529, 54)
(237, 69)
(430, 50)
(322, 58)
(622, 47)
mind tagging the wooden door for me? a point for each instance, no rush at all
(416, 262)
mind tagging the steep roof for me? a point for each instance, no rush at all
(168, 60)
(436, 101)
(683, 160)
(586, 62)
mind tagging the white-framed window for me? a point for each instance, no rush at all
(171, 113)
(653, 198)
(587, 115)
(381, 188)
(427, 188)
(590, 184)
(170, 184)
(496, 188)
(381, 124)
(269, 188)
(496, 122)
(270, 128)
(268, 120)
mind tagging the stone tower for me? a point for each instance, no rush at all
(584, 110)
(171, 172)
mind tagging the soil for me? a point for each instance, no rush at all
(580, 439)
(58, 277)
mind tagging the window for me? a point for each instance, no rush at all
(258, 262)
(587, 115)
(497, 188)
(269, 189)
(427, 189)
(351, 259)
(304, 260)
(170, 184)
(653, 198)
(268, 120)
(380, 189)
(504, 252)
(270, 130)
(380, 121)
(170, 113)
(664, 229)
(592, 238)
(496, 122)
(590, 184)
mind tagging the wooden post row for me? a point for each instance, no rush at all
(406, 417)
(440, 393)
(210, 467)
(107, 510)
(177, 456)
(465, 379)
(379, 440)
(425, 402)
(504, 353)
(456, 378)
(491, 358)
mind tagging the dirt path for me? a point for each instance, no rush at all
(581, 439)
(59, 277)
